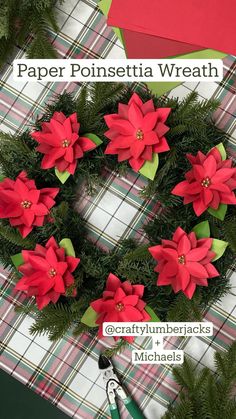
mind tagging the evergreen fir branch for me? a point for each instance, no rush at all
(182, 308)
(29, 308)
(211, 403)
(49, 17)
(55, 320)
(14, 237)
(229, 227)
(59, 103)
(101, 97)
(17, 145)
(226, 365)
(190, 108)
(104, 95)
(116, 349)
(136, 270)
(4, 18)
(81, 105)
(184, 410)
(169, 164)
(184, 376)
(19, 20)
(177, 131)
(128, 245)
(201, 378)
(81, 328)
(6, 250)
(66, 222)
(40, 5)
(139, 254)
(205, 395)
(41, 47)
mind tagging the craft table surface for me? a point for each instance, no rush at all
(65, 372)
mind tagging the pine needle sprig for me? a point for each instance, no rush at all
(27, 23)
(205, 394)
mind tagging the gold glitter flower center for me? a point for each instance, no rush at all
(119, 307)
(181, 259)
(65, 143)
(139, 134)
(52, 272)
(206, 182)
(26, 204)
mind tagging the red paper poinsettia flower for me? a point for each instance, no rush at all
(23, 204)
(137, 131)
(209, 183)
(61, 144)
(46, 273)
(184, 262)
(121, 302)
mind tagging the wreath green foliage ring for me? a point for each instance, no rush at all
(191, 130)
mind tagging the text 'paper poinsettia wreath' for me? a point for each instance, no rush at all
(120, 302)
(62, 145)
(47, 271)
(186, 261)
(137, 134)
(210, 183)
(23, 204)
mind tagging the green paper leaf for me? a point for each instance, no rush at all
(2, 177)
(68, 246)
(62, 176)
(220, 212)
(94, 138)
(150, 167)
(222, 151)
(202, 230)
(153, 315)
(17, 259)
(89, 317)
(219, 247)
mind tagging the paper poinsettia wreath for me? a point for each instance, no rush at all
(43, 238)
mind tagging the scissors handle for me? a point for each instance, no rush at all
(114, 411)
(133, 409)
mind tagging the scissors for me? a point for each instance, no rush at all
(114, 388)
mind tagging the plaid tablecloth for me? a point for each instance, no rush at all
(65, 372)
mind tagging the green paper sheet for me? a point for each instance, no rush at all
(159, 88)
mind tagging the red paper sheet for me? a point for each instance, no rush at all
(208, 23)
(140, 45)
